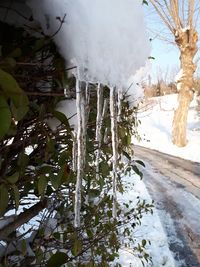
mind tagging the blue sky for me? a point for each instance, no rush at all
(166, 58)
(166, 55)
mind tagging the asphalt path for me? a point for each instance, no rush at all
(174, 184)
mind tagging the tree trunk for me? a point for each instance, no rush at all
(187, 43)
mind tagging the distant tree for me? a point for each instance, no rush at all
(180, 18)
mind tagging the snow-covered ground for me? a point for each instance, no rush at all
(156, 116)
(150, 229)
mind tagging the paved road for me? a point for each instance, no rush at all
(174, 184)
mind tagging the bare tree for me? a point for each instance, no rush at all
(180, 16)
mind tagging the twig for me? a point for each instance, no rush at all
(22, 218)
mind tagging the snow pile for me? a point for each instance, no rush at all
(150, 229)
(135, 83)
(156, 124)
(99, 36)
(67, 107)
(178, 78)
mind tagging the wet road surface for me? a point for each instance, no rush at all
(174, 184)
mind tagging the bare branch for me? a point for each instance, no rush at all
(22, 218)
(190, 13)
(163, 15)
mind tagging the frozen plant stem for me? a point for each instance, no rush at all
(113, 115)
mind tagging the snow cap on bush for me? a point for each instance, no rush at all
(106, 39)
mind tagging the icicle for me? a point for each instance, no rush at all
(86, 112)
(84, 118)
(105, 106)
(74, 152)
(87, 94)
(105, 138)
(80, 156)
(113, 116)
(119, 101)
(98, 127)
(82, 105)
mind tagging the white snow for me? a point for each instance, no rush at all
(156, 116)
(67, 107)
(178, 79)
(99, 36)
(135, 83)
(150, 229)
(179, 75)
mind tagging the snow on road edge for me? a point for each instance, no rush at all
(150, 229)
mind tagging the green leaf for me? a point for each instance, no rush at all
(22, 108)
(57, 259)
(61, 175)
(144, 2)
(4, 197)
(126, 155)
(46, 169)
(94, 193)
(104, 168)
(62, 159)
(17, 52)
(137, 171)
(23, 247)
(50, 145)
(19, 100)
(144, 242)
(16, 195)
(10, 62)
(140, 162)
(23, 160)
(5, 116)
(12, 130)
(77, 247)
(13, 178)
(39, 44)
(57, 235)
(55, 181)
(42, 184)
(39, 255)
(42, 112)
(128, 139)
(61, 117)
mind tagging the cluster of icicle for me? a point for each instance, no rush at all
(101, 38)
(82, 105)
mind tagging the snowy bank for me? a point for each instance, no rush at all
(156, 116)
